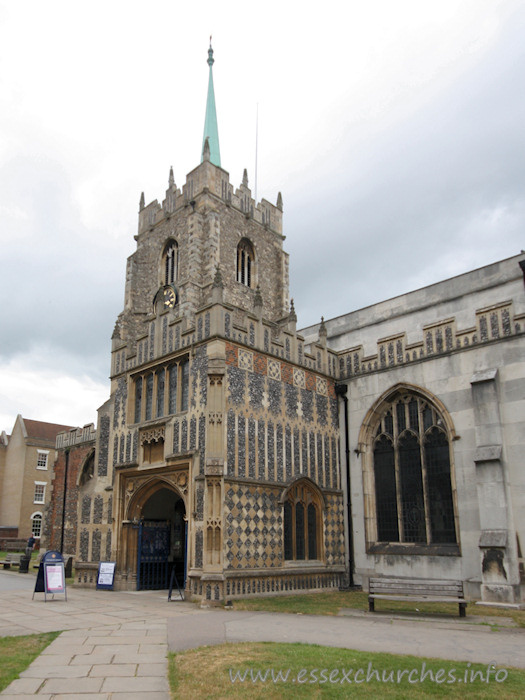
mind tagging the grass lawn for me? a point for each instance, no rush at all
(333, 603)
(312, 671)
(16, 653)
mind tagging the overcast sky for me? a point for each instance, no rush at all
(394, 130)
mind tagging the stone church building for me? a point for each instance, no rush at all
(253, 459)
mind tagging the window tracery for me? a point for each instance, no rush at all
(412, 487)
(163, 391)
(302, 523)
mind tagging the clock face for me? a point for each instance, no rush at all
(170, 298)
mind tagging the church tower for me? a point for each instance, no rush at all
(217, 452)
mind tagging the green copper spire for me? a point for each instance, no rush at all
(211, 131)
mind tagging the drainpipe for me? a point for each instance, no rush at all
(340, 390)
(66, 467)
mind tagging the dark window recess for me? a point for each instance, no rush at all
(385, 483)
(149, 396)
(412, 476)
(245, 262)
(312, 531)
(302, 524)
(160, 392)
(288, 531)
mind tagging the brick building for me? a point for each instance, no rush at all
(27, 458)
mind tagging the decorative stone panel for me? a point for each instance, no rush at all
(253, 527)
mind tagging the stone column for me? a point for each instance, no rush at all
(497, 543)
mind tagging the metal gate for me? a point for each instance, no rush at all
(153, 568)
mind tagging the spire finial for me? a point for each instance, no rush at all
(211, 130)
(245, 178)
(142, 202)
(171, 180)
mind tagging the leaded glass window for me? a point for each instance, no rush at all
(160, 392)
(412, 474)
(174, 372)
(138, 399)
(302, 523)
(149, 396)
(164, 391)
(185, 385)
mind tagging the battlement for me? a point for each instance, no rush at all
(207, 178)
(165, 334)
(76, 436)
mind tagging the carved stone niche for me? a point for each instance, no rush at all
(152, 442)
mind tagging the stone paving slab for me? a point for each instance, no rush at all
(159, 669)
(64, 685)
(125, 658)
(50, 671)
(96, 657)
(142, 684)
(111, 670)
(27, 686)
(43, 696)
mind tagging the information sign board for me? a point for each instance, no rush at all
(51, 576)
(106, 575)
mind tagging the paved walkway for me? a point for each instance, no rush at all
(114, 644)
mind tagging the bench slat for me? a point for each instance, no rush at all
(419, 598)
(416, 590)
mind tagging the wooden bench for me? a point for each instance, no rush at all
(12, 559)
(420, 590)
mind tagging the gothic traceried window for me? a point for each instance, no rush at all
(245, 263)
(412, 474)
(164, 391)
(302, 523)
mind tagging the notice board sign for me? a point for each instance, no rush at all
(106, 575)
(51, 575)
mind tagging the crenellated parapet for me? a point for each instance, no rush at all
(77, 436)
(210, 179)
(170, 332)
(490, 324)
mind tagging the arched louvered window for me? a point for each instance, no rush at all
(171, 262)
(245, 263)
(412, 474)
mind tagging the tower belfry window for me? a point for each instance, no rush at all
(245, 263)
(171, 261)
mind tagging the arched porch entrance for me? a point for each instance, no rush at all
(161, 536)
